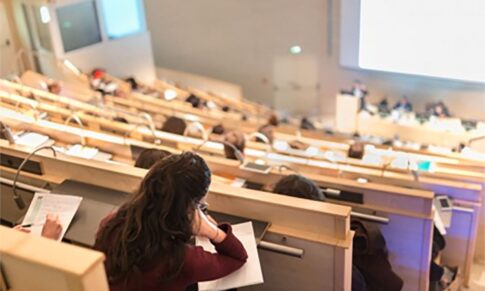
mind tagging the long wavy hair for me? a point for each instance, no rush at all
(155, 225)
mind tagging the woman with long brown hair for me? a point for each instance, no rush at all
(147, 241)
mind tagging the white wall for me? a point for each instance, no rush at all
(124, 57)
(238, 41)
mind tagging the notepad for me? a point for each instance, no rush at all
(65, 206)
(249, 274)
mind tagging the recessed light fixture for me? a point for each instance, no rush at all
(295, 50)
(45, 16)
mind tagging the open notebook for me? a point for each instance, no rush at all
(65, 206)
(249, 274)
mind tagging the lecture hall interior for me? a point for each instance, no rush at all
(280, 145)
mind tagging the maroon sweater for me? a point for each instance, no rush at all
(198, 265)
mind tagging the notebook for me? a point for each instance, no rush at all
(249, 274)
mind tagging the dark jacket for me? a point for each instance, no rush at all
(371, 258)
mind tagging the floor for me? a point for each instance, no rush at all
(477, 281)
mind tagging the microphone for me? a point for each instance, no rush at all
(79, 122)
(237, 152)
(6, 132)
(16, 197)
(198, 126)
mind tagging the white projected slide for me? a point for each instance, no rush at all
(439, 38)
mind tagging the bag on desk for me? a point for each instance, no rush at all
(370, 257)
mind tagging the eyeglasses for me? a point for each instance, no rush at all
(204, 207)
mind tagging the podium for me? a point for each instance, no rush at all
(347, 109)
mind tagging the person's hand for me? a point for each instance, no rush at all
(203, 226)
(52, 228)
(22, 229)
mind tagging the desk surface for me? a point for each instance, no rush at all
(98, 202)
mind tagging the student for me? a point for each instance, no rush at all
(300, 187)
(148, 157)
(273, 120)
(54, 87)
(237, 139)
(268, 131)
(174, 125)
(147, 241)
(218, 129)
(307, 124)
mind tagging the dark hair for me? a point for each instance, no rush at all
(148, 157)
(156, 223)
(174, 125)
(306, 124)
(273, 120)
(237, 139)
(120, 119)
(218, 129)
(268, 131)
(298, 186)
(133, 83)
(194, 100)
(54, 88)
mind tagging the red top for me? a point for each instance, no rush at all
(198, 265)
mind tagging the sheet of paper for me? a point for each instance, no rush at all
(65, 206)
(249, 274)
(82, 151)
(238, 182)
(32, 139)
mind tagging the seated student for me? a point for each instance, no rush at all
(268, 131)
(147, 241)
(218, 129)
(174, 125)
(299, 186)
(54, 87)
(195, 101)
(273, 120)
(99, 83)
(237, 139)
(148, 157)
(306, 124)
(440, 277)
(137, 87)
(403, 105)
(133, 83)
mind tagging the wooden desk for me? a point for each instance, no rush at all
(322, 229)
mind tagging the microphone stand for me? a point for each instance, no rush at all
(16, 197)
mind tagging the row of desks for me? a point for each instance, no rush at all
(394, 204)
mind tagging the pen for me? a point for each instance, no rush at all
(30, 225)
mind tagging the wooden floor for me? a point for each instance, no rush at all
(477, 281)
